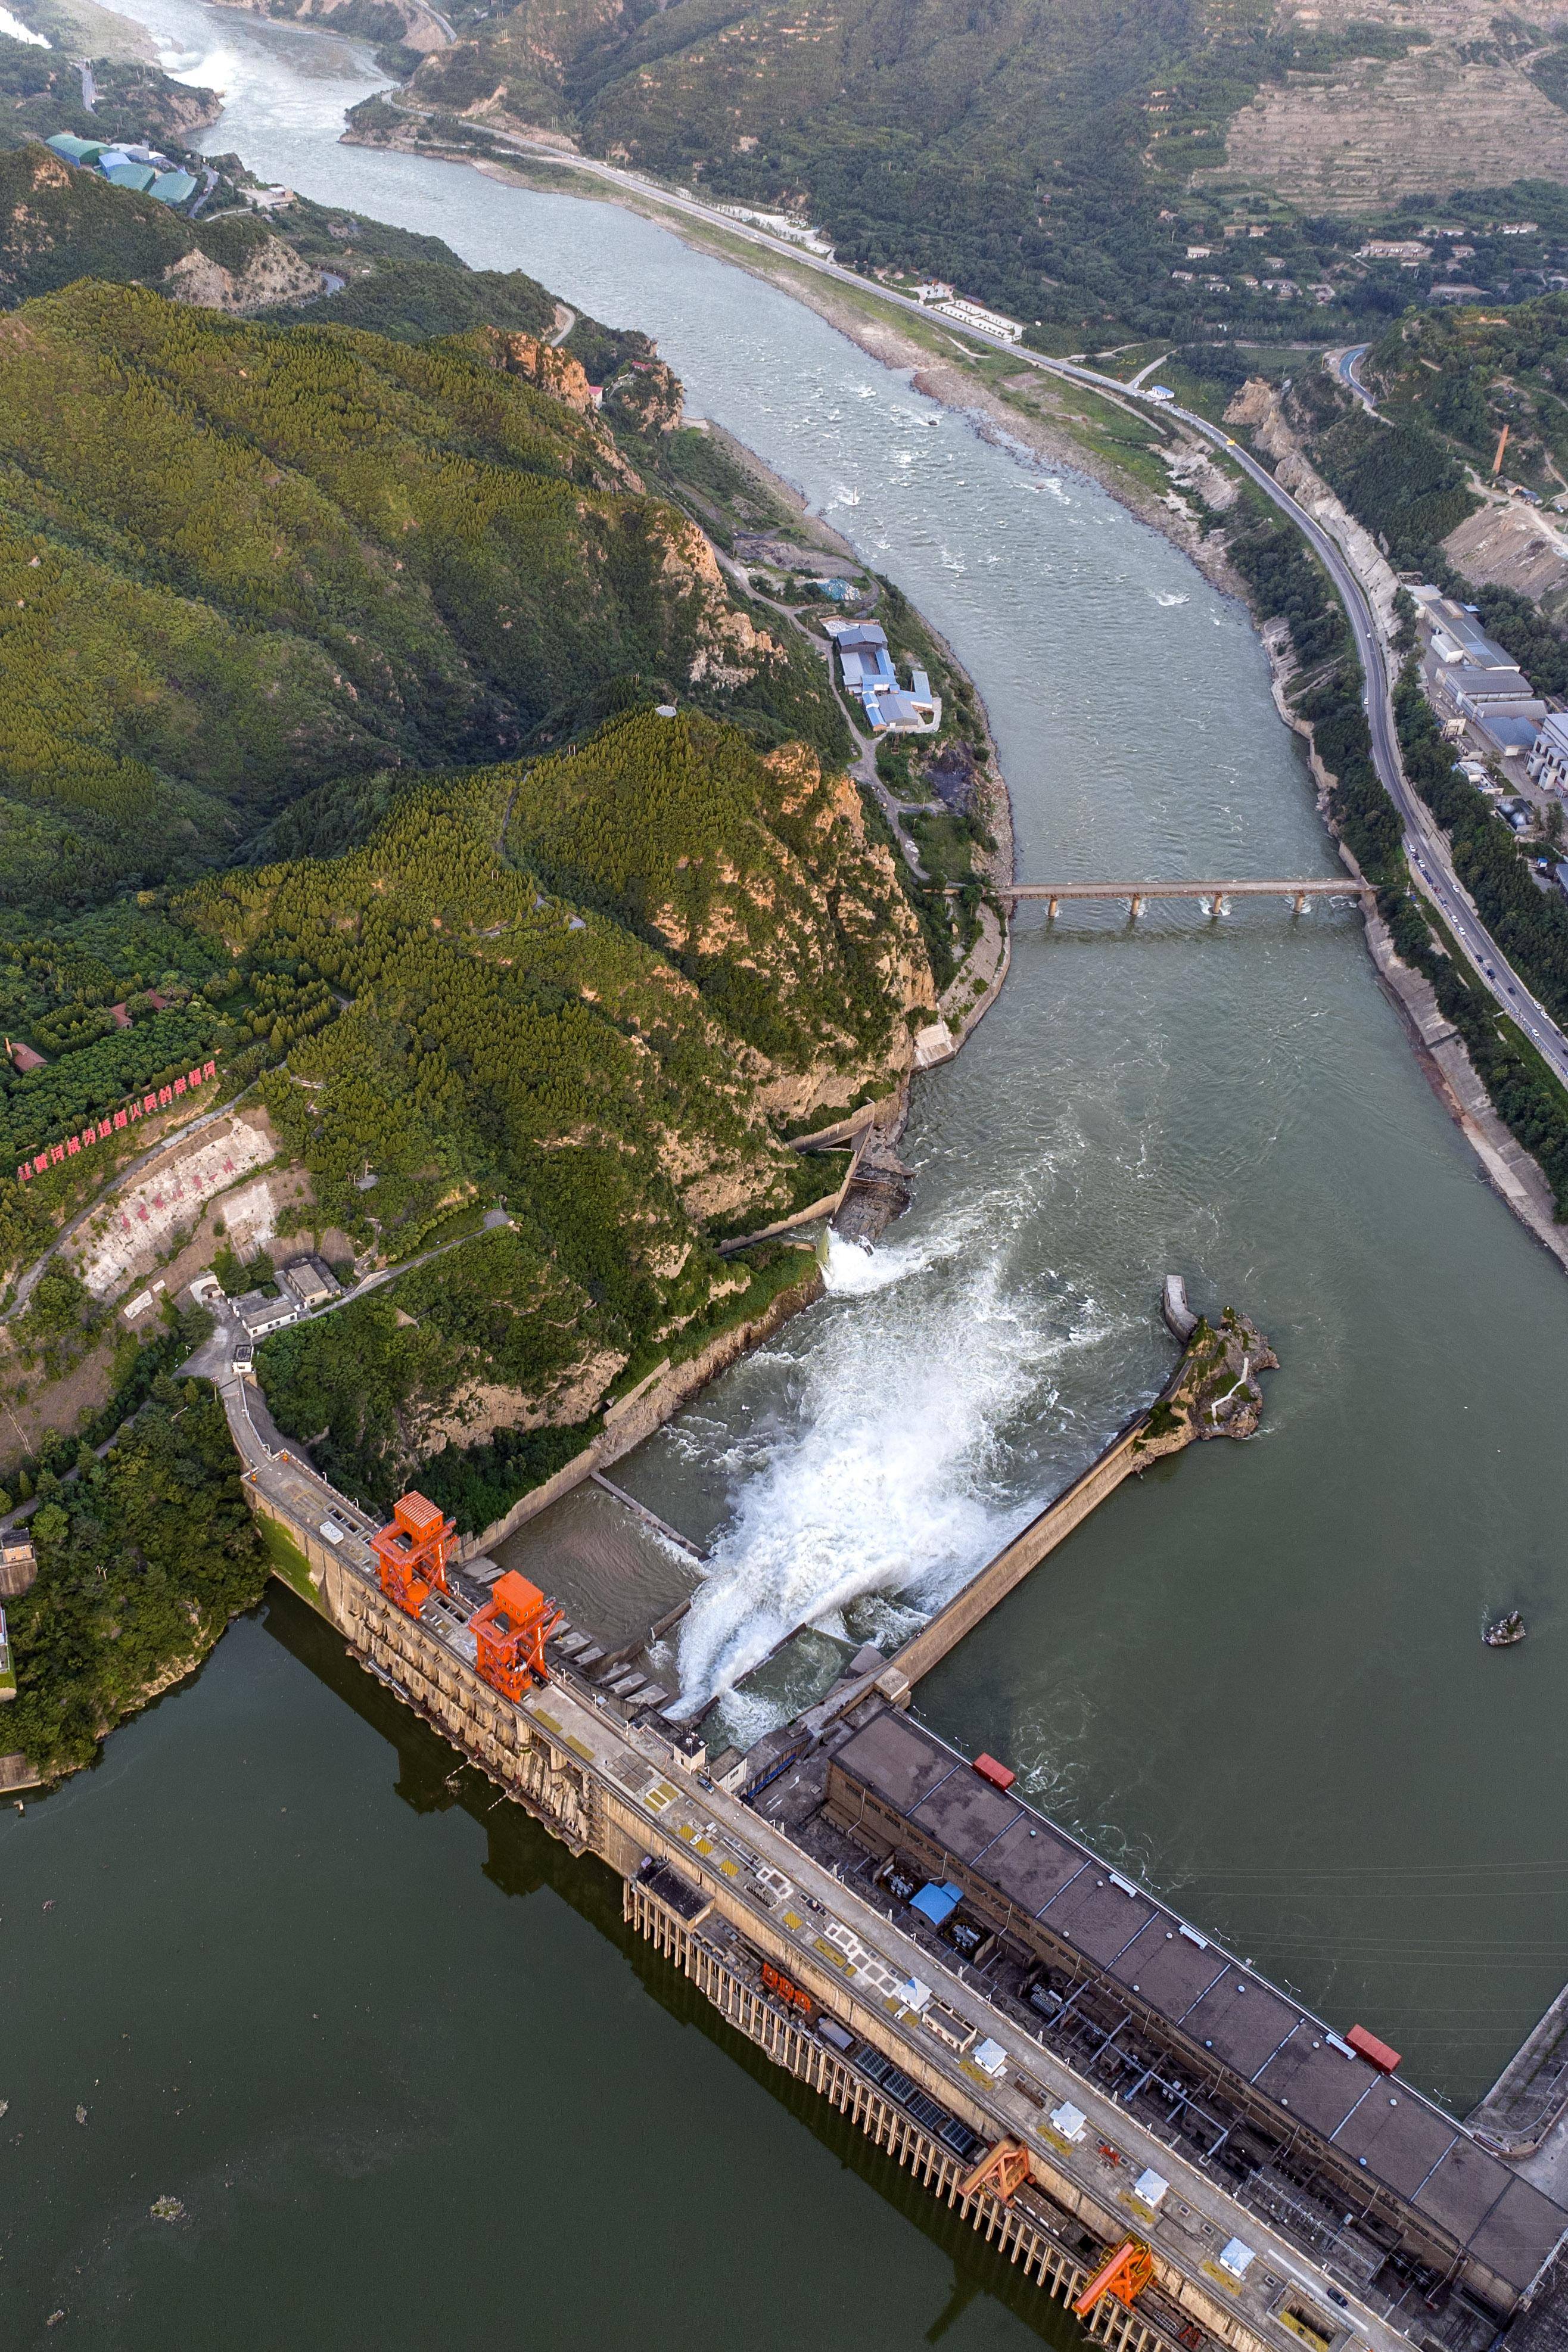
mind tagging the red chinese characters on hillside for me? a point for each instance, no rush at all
(146, 1106)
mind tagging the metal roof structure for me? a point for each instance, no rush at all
(1214, 2010)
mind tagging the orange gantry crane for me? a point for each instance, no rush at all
(411, 1554)
(510, 1633)
(1124, 2275)
(1003, 2169)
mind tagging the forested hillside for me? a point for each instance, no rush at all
(370, 729)
(40, 93)
(237, 561)
(1467, 371)
(594, 989)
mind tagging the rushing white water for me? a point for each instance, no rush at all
(885, 1480)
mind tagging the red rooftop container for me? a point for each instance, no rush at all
(1376, 2053)
(1000, 1778)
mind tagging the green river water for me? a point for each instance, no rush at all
(386, 2044)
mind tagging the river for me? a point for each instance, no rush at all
(384, 2091)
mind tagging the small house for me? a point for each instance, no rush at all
(258, 1314)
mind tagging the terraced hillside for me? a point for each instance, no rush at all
(1477, 102)
(1085, 168)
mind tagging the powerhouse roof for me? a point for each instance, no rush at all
(1290, 2057)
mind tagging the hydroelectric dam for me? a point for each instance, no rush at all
(1143, 2125)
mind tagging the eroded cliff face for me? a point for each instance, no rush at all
(554, 371)
(646, 396)
(273, 273)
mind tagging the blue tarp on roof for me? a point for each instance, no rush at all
(172, 187)
(937, 1902)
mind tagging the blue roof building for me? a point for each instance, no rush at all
(937, 1901)
(870, 674)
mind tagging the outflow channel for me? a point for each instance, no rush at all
(297, 2007)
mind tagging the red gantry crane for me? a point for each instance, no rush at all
(510, 1633)
(411, 1554)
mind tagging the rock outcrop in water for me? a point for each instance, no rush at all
(1214, 1391)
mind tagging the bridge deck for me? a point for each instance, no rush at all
(1334, 887)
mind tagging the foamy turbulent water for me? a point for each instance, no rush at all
(886, 1482)
(1258, 1674)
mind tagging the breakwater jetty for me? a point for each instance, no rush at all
(1146, 2128)
(1213, 1392)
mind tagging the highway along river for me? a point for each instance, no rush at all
(384, 2046)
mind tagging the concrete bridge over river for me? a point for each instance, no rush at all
(1215, 896)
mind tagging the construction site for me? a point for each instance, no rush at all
(1147, 2128)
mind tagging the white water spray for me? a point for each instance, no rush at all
(884, 1483)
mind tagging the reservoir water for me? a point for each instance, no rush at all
(384, 2046)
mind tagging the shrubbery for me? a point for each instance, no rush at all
(140, 1565)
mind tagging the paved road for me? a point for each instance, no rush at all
(1426, 843)
(216, 1351)
(1346, 365)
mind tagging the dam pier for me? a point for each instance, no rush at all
(1145, 2127)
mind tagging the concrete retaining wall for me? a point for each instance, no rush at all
(650, 1411)
(981, 1594)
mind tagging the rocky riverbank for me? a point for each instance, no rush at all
(1215, 1390)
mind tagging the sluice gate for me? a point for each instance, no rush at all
(1022, 2229)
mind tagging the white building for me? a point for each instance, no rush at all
(1548, 761)
(976, 314)
(784, 224)
(257, 1315)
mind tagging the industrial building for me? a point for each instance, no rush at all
(140, 169)
(1316, 2124)
(1549, 758)
(1164, 2140)
(870, 675)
